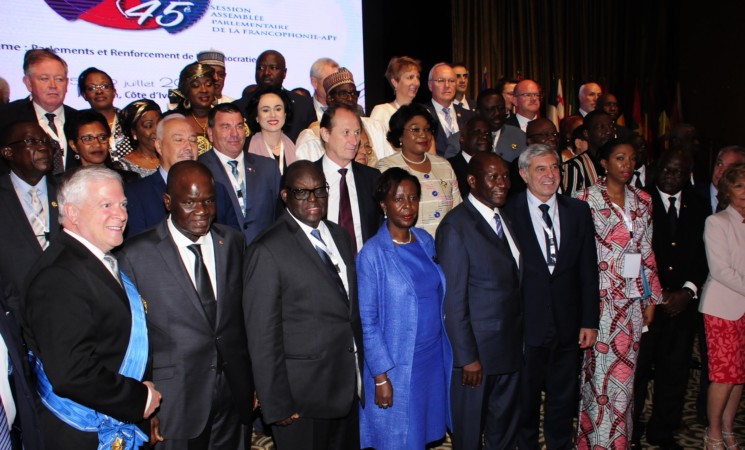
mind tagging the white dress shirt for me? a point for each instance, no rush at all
(441, 116)
(488, 214)
(235, 182)
(333, 178)
(59, 122)
(536, 217)
(22, 191)
(666, 203)
(189, 258)
(523, 121)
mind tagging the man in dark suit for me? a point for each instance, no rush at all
(175, 141)
(271, 70)
(527, 97)
(200, 355)
(450, 117)
(29, 218)
(45, 77)
(474, 137)
(461, 87)
(726, 157)
(358, 214)
(560, 302)
(251, 181)
(20, 406)
(665, 351)
(480, 258)
(303, 322)
(80, 316)
(505, 140)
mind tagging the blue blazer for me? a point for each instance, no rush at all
(262, 191)
(568, 297)
(388, 310)
(145, 207)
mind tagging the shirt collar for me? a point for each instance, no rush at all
(41, 112)
(183, 241)
(534, 202)
(20, 185)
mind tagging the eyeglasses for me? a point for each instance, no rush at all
(444, 80)
(417, 131)
(97, 87)
(538, 95)
(89, 138)
(271, 67)
(346, 94)
(304, 194)
(33, 142)
(545, 135)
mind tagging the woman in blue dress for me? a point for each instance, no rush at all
(408, 358)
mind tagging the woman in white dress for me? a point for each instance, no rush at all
(403, 74)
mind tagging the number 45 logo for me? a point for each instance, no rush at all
(173, 16)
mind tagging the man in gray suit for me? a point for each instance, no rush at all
(506, 141)
(481, 261)
(303, 321)
(189, 272)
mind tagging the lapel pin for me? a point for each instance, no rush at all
(144, 303)
(220, 242)
(54, 204)
(514, 146)
(251, 170)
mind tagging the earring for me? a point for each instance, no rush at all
(187, 104)
(77, 156)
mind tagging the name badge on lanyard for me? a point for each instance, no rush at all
(632, 262)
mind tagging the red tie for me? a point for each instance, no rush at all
(345, 208)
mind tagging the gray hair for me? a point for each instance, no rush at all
(534, 151)
(74, 187)
(740, 150)
(317, 67)
(161, 124)
(435, 67)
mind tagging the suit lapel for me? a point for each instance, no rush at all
(221, 269)
(16, 214)
(173, 262)
(483, 227)
(95, 267)
(253, 183)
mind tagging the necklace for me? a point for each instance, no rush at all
(203, 127)
(402, 243)
(424, 159)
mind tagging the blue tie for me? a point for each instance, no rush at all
(5, 443)
(449, 120)
(240, 190)
(500, 231)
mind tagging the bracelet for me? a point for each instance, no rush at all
(690, 292)
(381, 383)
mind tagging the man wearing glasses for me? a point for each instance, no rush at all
(28, 201)
(303, 323)
(450, 117)
(527, 97)
(45, 77)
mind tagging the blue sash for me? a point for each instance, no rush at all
(86, 419)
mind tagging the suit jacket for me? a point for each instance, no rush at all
(262, 191)
(511, 143)
(145, 207)
(703, 191)
(78, 322)
(680, 257)
(460, 167)
(511, 120)
(566, 299)
(23, 110)
(441, 139)
(483, 315)
(724, 292)
(26, 425)
(303, 112)
(365, 180)
(20, 248)
(185, 346)
(301, 331)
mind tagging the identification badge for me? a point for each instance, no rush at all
(632, 265)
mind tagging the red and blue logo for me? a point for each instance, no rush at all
(171, 15)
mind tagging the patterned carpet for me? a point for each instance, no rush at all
(690, 434)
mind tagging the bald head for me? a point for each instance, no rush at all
(190, 199)
(588, 96)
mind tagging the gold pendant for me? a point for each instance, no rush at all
(118, 444)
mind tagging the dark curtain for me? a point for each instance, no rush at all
(619, 44)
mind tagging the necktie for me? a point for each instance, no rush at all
(5, 443)
(345, 208)
(498, 228)
(38, 218)
(110, 261)
(638, 182)
(203, 284)
(58, 164)
(672, 216)
(448, 121)
(550, 239)
(332, 268)
(240, 188)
